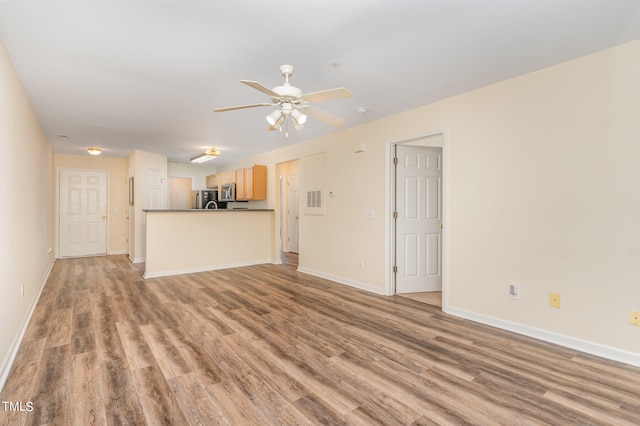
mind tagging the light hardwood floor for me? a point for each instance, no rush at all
(267, 345)
(433, 298)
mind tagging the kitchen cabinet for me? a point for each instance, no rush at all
(212, 182)
(227, 177)
(251, 183)
(240, 185)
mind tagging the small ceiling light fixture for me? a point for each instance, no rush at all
(362, 110)
(278, 118)
(298, 117)
(274, 117)
(209, 154)
(94, 151)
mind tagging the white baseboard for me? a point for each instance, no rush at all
(17, 340)
(115, 252)
(592, 348)
(137, 260)
(345, 281)
(205, 268)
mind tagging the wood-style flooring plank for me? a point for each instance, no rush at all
(85, 404)
(268, 345)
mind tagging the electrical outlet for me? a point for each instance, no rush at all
(634, 318)
(361, 263)
(554, 300)
(22, 291)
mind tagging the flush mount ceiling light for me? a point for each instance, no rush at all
(94, 151)
(209, 154)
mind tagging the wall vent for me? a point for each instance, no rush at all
(314, 199)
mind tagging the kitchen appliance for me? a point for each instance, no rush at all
(227, 192)
(200, 199)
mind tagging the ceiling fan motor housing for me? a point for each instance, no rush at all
(287, 93)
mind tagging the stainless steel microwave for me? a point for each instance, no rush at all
(227, 192)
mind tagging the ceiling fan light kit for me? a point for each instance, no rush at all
(274, 117)
(298, 117)
(293, 104)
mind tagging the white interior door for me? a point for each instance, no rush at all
(155, 190)
(419, 219)
(293, 210)
(82, 213)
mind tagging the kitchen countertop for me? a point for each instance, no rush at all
(204, 210)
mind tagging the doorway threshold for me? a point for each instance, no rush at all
(433, 298)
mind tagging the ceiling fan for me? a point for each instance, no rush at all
(293, 104)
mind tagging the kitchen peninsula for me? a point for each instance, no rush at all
(188, 241)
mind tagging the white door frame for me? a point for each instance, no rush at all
(57, 204)
(390, 254)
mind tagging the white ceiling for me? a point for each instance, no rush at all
(146, 74)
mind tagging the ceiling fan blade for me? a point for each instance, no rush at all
(261, 88)
(327, 95)
(241, 107)
(323, 116)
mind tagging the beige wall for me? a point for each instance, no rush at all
(139, 164)
(541, 190)
(118, 193)
(187, 242)
(26, 210)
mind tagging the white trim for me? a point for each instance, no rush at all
(115, 252)
(137, 260)
(345, 281)
(205, 268)
(586, 346)
(17, 340)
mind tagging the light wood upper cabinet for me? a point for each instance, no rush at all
(226, 177)
(251, 183)
(212, 181)
(240, 185)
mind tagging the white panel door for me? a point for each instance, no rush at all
(82, 213)
(155, 190)
(418, 225)
(293, 210)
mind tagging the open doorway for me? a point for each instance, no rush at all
(418, 171)
(180, 189)
(289, 202)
